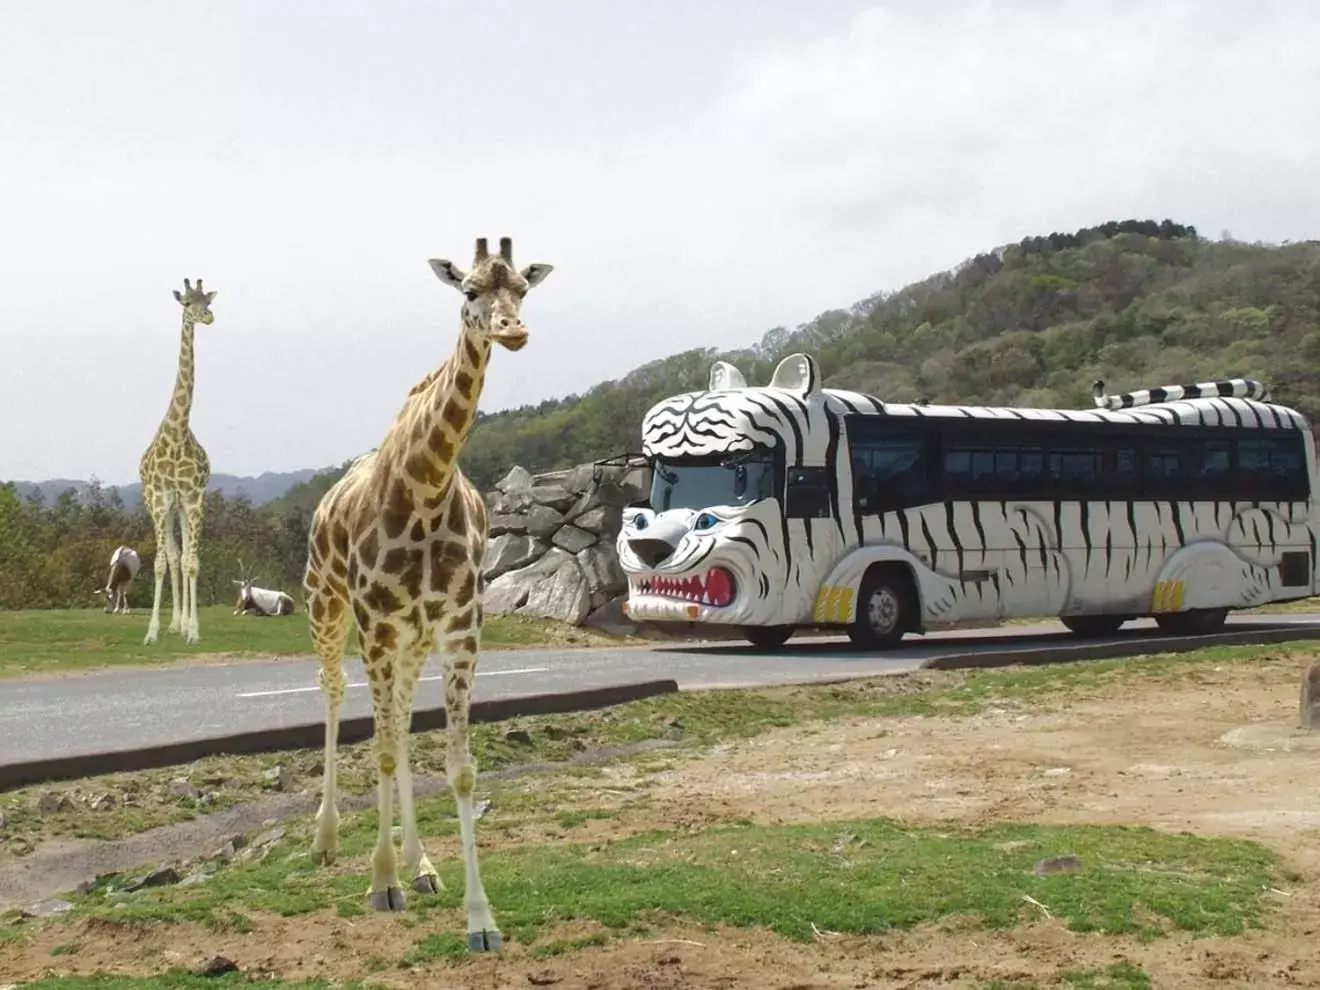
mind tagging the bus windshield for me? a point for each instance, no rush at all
(738, 479)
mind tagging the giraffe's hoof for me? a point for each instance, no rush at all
(390, 899)
(323, 857)
(428, 883)
(491, 941)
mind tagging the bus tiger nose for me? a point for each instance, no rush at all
(651, 551)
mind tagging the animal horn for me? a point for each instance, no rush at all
(187, 285)
(481, 249)
(506, 249)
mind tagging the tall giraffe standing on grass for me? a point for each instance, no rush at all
(397, 546)
(174, 471)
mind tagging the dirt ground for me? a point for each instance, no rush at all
(1214, 755)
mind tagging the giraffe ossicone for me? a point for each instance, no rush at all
(396, 547)
(174, 472)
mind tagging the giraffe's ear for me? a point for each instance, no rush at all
(177, 297)
(448, 272)
(209, 297)
(536, 272)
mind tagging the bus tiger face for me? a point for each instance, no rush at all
(722, 564)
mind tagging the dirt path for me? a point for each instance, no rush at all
(1212, 753)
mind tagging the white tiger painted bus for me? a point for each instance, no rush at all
(795, 506)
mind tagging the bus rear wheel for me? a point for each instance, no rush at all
(884, 609)
(1092, 626)
(1193, 622)
(767, 637)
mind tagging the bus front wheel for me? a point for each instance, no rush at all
(884, 609)
(767, 637)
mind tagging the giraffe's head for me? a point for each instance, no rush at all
(196, 302)
(494, 291)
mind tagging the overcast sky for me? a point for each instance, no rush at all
(697, 171)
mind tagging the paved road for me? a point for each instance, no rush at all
(124, 709)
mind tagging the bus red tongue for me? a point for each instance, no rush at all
(719, 586)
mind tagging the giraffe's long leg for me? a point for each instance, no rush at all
(459, 647)
(190, 513)
(328, 618)
(379, 657)
(158, 506)
(425, 879)
(173, 518)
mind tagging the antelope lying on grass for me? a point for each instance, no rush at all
(260, 601)
(124, 564)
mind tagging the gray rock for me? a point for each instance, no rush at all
(166, 876)
(603, 520)
(542, 521)
(600, 566)
(1310, 702)
(518, 479)
(510, 552)
(46, 908)
(555, 496)
(573, 539)
(218, 966)
(563, 594)
(279, 777)
(181, 787)
(501, 524)
(1057, 864)
(53, 801)
(508, 503)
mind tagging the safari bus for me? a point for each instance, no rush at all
(792, 506)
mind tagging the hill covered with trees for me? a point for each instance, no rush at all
(1135, 303)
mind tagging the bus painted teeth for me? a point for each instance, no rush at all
(787, 506)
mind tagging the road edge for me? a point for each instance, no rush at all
(311, 735)
(1113, 650)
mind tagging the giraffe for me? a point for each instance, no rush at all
(396, 546)
(174, 471)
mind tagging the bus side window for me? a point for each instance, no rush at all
(807, 493)
(889, 473)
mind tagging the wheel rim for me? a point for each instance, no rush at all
(882, 611)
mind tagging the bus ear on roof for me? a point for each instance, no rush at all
(724, 375)
(797, 373)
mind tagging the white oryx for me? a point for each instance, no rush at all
(124, 564)
(260, 601)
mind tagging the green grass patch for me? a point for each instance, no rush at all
(41, 641)
(861, 877)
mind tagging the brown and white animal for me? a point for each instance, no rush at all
(396, 546)
(124, 565)
(260, 601)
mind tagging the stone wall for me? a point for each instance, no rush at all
(551, 552)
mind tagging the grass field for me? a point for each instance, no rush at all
(881, 833)
(44, 641)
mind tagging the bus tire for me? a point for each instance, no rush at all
(886, 603)
(767, 637)
(1193, 622)
(1093, 626)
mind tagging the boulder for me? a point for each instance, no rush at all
(518, 479)
(603, 520)
(564, 595)
(555, 496)
(509, 503)
(609, 618)
(512, 590)
(542, 521)
(600, 566)
(500, 525)
(573, 539)
(510, 552)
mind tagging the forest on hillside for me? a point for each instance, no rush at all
(1135, 303)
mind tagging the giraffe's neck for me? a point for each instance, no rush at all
(181, 402)
(440, 414)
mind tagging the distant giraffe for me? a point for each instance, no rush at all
(174, 471)
(397, 546)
